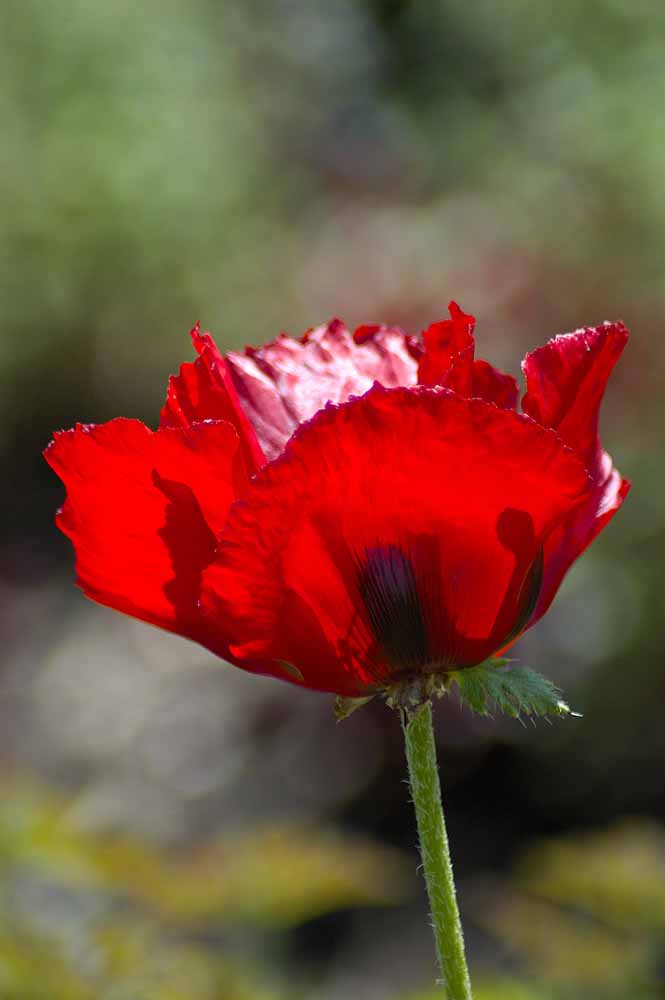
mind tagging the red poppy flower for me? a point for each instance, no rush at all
(348, 511)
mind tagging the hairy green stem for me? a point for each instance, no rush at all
(426, 793)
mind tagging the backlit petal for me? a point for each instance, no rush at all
(494, 386)
(286, 382)
(203, 390)
(566, 381)
(565, 384)
(448, 356)
(404, 488)
(144, 510)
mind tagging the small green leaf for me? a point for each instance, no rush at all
(291, 670)
(344, 707)
(515, 691)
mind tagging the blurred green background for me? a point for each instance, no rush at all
(170, 828)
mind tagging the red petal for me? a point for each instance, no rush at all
(365, 332)
(286, 382)
(577, 531)
(448, 356)
(448, 361)
(144, 510)
(494, 386)
(566, 381)
(414, 481)
(385, 336)
(204, 390)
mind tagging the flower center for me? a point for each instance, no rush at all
(388, 587)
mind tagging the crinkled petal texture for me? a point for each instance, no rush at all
(448, 361)
(566, 380)
(204, 390)
(143, 510)
(412, 528)
(401, 531)
(286, 382)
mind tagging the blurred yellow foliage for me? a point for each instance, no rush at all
(109, 916)
(585, 914)
(563, 946)
(618, 875)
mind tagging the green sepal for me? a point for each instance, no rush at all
(344, 707)
(291, 670)
(515, 691)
